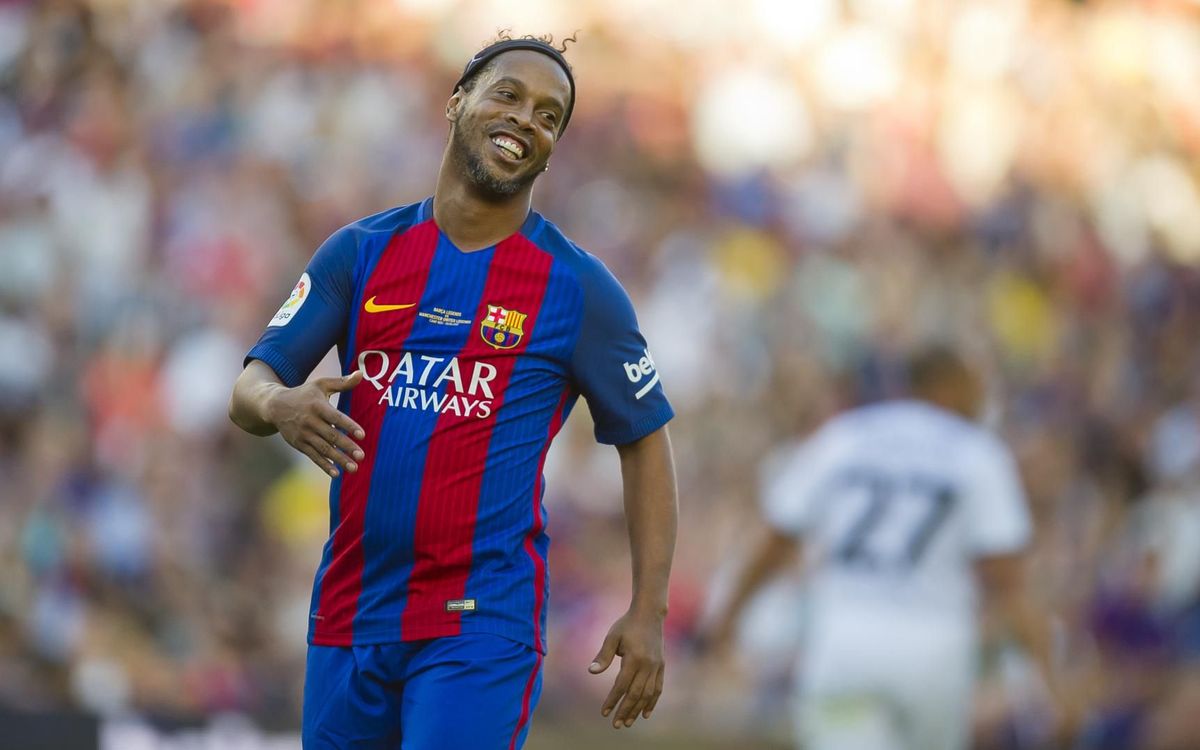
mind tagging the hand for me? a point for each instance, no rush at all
(310, 424)
(714, 639)
(638, 640)
(1069, 702)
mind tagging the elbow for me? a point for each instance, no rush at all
(242, 414)
(236, 414)
(246, 423)
(250, 401)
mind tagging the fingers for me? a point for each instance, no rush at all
(635, 699)
(325, 440)
(658, 688)
(637, 689)
(342, 422)
(619, 688)
(325, 464)
(328, 432)
(333, 416)
(337, 385)
(605, 656)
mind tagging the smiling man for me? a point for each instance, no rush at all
(467, 326)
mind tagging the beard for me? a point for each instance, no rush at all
(485, 180)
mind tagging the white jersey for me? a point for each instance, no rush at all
(894, 503)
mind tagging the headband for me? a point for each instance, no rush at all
(486, 54)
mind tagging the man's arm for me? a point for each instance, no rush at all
(768, 556)
(262, 405)
(651, 513)
(1006, 600)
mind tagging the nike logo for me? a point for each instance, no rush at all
(372, 307)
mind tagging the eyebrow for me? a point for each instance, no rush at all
(519, 84)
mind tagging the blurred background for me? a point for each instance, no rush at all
(794, 193)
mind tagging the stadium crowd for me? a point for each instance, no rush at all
(794, 197)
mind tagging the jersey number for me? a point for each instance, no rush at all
(860, 546)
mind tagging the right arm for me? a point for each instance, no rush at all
(248, 404)
(793, 479)
(1007, 601)
(271, 394)
(773, 550)
(1002, 530)
(262, 405)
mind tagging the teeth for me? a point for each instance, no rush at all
(509, 145)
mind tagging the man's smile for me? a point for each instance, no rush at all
(510, 146)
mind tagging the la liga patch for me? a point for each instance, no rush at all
(294, 302)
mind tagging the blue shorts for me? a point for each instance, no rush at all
(467, 692)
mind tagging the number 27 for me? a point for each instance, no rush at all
(883, 491)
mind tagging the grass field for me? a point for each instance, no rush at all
(560, 737)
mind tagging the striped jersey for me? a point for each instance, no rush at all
(471, 363)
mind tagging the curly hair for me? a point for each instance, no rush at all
(505, 35)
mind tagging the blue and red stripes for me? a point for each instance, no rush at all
(401, 273)
(538, 525)
(459, 448)
(526, 705)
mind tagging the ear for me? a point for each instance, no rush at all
(454, 104)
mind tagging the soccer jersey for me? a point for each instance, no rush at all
(471, 363)
(895, 502)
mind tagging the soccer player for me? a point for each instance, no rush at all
(901, 507)
(467, 325)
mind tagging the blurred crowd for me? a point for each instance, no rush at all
(795, 195)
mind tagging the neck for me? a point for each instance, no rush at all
(946, 401)
(473, 221)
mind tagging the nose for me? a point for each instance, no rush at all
(521, 117)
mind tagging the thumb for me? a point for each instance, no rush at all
(344, 383)
(605, 656)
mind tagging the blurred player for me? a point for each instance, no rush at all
(901, 507)
(467, 326)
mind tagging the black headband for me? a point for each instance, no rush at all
(486, 54)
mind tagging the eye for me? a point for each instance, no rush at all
(550, 118)
(507, 94)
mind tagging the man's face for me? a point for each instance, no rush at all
(505, 128)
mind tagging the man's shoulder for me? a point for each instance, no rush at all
(920, 422)
(553, 240)
(587, 269)
(385, 222)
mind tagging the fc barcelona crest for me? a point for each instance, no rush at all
(501, 328)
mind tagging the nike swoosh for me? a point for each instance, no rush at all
(371, 307)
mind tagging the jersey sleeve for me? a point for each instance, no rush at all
(1000, 522)
(792, 482)
(612, 367)
(316, 314)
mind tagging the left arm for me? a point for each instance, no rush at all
(651, 512)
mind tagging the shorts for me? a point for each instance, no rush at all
(468, 692)
(886, 683)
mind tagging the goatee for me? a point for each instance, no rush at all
(487, 182)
